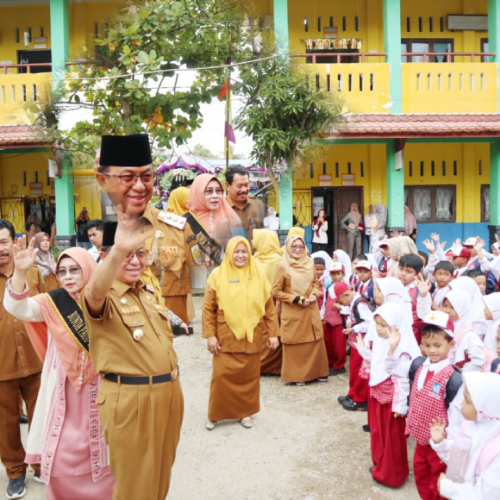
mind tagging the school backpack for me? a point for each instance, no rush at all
(452, 385)
(491, 282)
(355, 310)
(495, 366)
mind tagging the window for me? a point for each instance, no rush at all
(485, 47)
(432, 203)
(485, 203)
(426, 45)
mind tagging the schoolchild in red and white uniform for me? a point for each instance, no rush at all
(389, 394)
(480, 479)
(428, 400)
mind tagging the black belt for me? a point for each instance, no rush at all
(155, 379)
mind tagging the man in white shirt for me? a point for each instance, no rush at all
(95, 230)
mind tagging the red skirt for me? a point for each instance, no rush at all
(388, 444)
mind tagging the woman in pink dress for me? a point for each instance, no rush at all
(65, 435)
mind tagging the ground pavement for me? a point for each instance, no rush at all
(303, 445)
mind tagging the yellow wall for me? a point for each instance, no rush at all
(12, 168)
(82, 16)
(468, 180)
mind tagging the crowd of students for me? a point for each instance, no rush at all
(423, 331)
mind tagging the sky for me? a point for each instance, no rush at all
(211, 133)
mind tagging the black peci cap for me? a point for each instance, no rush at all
(125, 150)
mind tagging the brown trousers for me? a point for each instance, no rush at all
(12, 451)
(142, 426)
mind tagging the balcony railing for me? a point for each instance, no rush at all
(448, 55)
(339, 56)
(28, 67)
(316, 57)
(450, 87)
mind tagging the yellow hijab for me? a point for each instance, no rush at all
(267, 251)
(301, 271)
(150, 279)
(242, 292)
(295, 231)
(177, 202)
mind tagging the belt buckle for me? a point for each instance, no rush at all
(174, 375)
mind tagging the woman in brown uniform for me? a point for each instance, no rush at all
(267, 255)
(176, 290)
(46, 261)
(237, 309)
(297, 288)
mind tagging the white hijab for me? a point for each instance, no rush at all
(461, 302)
(484, 390)
(478, 319)
(492, 302)
(344, 259)
(394, 315)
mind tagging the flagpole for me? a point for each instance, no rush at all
(228, 101)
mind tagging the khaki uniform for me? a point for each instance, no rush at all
(141, 422)
(304, 352)
(175, 258)
(20, 370)
(252, 216)
(235, 385)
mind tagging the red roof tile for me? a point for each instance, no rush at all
(22, 136)
(386, 126)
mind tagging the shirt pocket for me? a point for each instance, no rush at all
(135, 322)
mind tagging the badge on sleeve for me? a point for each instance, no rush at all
(172, 219)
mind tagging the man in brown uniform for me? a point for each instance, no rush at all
(20, 370)
(249, 208)
(140, 401)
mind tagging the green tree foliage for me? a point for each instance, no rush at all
(133, 88)
(283, 112)
(200, 150)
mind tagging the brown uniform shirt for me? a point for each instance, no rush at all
(252, 216)
(112, 345)
(18, 359)
(214, 325)
(174, 254)
(299, 324)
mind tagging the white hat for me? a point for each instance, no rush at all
(470, 242)
(364, 264)
(439, 319)
(337, 266)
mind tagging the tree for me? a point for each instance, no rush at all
(283, 112)
(134, 84)
(200, 150)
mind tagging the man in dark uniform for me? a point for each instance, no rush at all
(249, 208)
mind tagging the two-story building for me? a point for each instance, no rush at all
(420, 82)
(39, 41)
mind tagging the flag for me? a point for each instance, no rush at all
(224, 90)
(228, 126)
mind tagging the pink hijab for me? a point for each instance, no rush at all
(69, 351)
(197, 206)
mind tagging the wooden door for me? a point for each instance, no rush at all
(346, 196)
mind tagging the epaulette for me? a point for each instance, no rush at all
(172, 219)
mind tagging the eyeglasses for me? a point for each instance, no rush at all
(129, 180)
(210, 192)
(141, 255)
(298, 247)
(74, 271)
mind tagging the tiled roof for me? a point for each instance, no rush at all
(22, 136)
(417, 125)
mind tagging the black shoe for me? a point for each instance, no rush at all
(366, 428)
(16, 487)
(352, 406)
(333, 372)
(342, 399)
(23, 419)
(348, 352)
